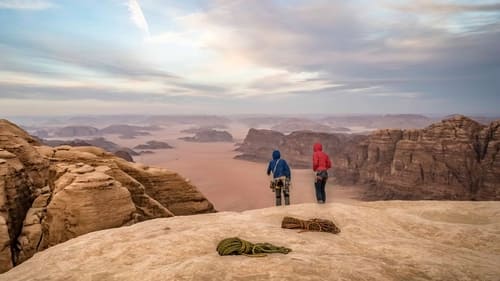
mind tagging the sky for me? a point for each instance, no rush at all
(249, 56)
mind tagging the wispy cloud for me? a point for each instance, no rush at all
(137, 16)
(25, 4)
(436, 7)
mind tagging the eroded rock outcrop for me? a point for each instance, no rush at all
(210, 136)
(296, 147)
(51, 194)
(455, 159)
(76, 131)
(152, 144)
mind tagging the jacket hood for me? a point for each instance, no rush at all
(317, 147)
(276, 154)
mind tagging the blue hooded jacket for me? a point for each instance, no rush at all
(281, 169)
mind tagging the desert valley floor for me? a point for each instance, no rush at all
(230, 184)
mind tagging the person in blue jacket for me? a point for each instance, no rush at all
(281, 177)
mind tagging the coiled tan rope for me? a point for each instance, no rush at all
(321, 225)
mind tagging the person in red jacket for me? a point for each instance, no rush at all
(321, 163)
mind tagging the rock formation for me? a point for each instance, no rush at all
(296, 147)
(49, 195)
(456, 159)
(194, 130)
(154, 145)
(99, 142)
(383, 241)
(76, 131)
(123, 154)
(210, 136)
(399, 121)
(128, 131)
(301, 124)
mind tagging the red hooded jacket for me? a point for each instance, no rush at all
(321, 161)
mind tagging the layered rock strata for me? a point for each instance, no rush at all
(50, 195)
(454, 159)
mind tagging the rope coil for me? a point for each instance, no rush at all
(321, 225)
(237, 246)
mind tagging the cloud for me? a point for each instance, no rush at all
(137, 16)
(429, 6)
(25, 4)
(61, 55)
(305, 55)
(349, 41)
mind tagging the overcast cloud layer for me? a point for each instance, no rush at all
(227, 56)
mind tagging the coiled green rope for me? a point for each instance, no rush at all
(237, 246)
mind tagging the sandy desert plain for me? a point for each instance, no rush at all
(230, 184)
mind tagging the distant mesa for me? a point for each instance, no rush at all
(194, 130)
(455, 159)
(124, 128)
(75, 131)
(129, 131)
(124, 131)
(210, 136)
(98, 142)
(297, 124)
(262, 121)
(76, 142)
(154, 145)
(394, 121)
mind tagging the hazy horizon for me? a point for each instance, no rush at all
(222, 57)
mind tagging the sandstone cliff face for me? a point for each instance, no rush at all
(296, 148)
(259, 144)
(455, 159)
(50, 195)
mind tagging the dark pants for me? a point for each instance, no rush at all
(281, 186)
(286, 194)
(319, 184)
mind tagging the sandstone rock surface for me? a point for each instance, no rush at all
(50, 195)
(388, 240)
